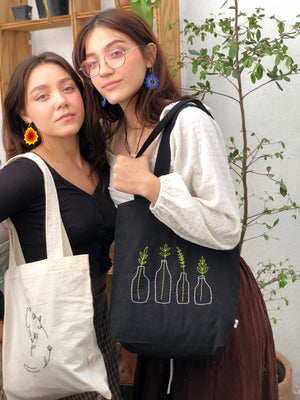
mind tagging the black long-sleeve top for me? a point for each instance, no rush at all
(88, 219)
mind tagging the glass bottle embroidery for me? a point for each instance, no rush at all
(202, 292)
(140, 284)
(183, 285)
(163, 278)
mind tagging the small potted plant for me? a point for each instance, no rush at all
(53, 7)
(22, 12)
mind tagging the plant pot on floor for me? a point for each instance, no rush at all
(127, 365)
(22, 13)
(285, 382)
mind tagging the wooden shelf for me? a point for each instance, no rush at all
(37, 24)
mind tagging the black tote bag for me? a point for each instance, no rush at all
(170, 298)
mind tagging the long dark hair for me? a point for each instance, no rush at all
(150, 103)
(14, 126)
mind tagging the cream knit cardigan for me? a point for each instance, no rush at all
(197, 199)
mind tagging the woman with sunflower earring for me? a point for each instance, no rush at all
(44, 114)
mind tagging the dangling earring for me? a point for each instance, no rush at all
(31, 136)
(103, 102)
(152, 81)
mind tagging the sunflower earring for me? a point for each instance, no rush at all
(31, 136)
(151, 81)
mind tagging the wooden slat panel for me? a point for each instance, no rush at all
(169, 39)
(81, 12)
(86, 5)
(14, 47)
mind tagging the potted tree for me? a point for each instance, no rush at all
(22, 12)
(242, 55)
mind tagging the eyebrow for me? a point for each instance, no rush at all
(110, 44)
(42, 87)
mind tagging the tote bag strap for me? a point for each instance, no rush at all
(57, 242)
(162, 165)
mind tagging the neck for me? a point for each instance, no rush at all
(135, 139)
(60, 151)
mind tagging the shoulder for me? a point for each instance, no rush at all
(23, 172)
(189, 113)
(22, 185)
(194, 126)
(191, 118)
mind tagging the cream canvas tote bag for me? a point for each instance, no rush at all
(49, 346)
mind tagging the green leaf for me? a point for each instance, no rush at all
(215, 49)
(283, 189)
(232, 51)
(277, 60)
(280, 27)
(194, 52)
(144, 9)
(258, 35)
(275, 222)
(279, 87)
(259, 71)
(289, 62)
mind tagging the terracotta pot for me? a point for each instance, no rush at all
(122, 2)
(285, 382)
(127, 365)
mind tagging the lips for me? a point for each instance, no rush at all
(110, 85)
(65, 117)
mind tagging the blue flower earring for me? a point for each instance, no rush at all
(152, 81)
(103, 102)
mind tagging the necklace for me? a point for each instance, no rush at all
(126, 141)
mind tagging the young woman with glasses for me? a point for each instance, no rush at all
(128, 89)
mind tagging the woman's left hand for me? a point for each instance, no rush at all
(132, 175)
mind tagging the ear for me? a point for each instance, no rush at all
(25, 117)
(150, 54)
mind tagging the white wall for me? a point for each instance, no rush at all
(272, 113)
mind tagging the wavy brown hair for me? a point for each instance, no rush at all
(14, 126)
(150, 103)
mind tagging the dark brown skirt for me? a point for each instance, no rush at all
(245, 369)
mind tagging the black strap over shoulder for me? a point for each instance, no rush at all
(167, 123)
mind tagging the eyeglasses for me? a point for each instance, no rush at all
(113, 58)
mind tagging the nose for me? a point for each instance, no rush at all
(60, 99)
(104, 68)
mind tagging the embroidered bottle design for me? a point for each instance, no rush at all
(140, 284)
(183, 285)
(163, 279)
(202, 292)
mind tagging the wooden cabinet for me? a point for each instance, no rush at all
(15, 36)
